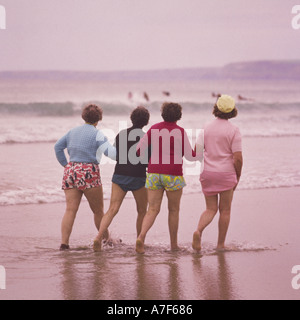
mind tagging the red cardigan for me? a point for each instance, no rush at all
(169, 143)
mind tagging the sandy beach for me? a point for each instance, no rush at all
(263, 238)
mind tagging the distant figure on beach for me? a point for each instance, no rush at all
(215, 95)
(223, 162)
(85, 145)
(146, 96)
(169, 143)
(166, 93)
(242, 98)
(128, 176)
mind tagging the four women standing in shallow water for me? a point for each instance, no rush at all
(165, 144)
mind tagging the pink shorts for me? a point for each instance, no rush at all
(81, 176)
(215, 182)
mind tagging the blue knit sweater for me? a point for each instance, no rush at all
(85, 144)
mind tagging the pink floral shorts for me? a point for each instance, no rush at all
(81, 176)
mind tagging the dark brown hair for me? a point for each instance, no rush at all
(140, 117)
(171, 112)
(92, 114)
(222, 115)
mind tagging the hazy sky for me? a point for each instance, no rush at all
(144, 34)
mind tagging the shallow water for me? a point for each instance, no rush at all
(30, 172)
(36, 269)
(263, 248)
(118, 273)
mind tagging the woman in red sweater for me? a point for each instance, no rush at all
(169, 143)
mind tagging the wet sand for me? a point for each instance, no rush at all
(263, 238)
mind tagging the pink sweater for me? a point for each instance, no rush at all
(221, 140)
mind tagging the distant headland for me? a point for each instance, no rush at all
(265, 70)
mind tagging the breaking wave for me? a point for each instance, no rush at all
(45, 121)
(68, 108)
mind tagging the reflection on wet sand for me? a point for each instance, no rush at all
(127, 276)
(157, 279)
(213, 281)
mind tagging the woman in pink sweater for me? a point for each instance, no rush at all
(222, 145)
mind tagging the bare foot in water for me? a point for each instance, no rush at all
(222, 248)
(139, 246)
(97, 245)
(196, 241)
(175, 248)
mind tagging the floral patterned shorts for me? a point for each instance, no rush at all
(81, 176)
(156, 181)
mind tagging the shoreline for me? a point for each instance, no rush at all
(263, 235)
(129, 196)
(241, 197)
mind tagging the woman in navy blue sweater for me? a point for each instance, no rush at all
(129, 174)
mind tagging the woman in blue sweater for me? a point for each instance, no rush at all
(85, 145)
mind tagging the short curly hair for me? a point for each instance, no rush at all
(171, 112)
(219, 114)
(92, 114)
(140, 117)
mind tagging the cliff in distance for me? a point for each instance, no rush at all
(268, 69)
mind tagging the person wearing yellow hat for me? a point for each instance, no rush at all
(225, 103)
(223, 160)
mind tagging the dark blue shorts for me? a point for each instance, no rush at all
(127, 183)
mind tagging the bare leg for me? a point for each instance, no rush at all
(95, 199)
(205, 219)
(141, 199)
(73, 198)
(225, 209)
(174, 198)
(117, 196)
(155, 199)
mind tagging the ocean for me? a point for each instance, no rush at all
(36, 109)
